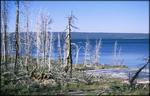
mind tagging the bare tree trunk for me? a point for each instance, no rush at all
(97, 52)
(87, 53)
(68, 57)
(1, 37)
(77, 53)
(27, 39)
(68, 42)
(120, 60)
(115, 54)
(64, 58)
(5, 30)
(37, 30)
(50, 50)
(45, 28)
(45, 40)
(3, 47)
(17, 37)
(4, 22)
(59, 50)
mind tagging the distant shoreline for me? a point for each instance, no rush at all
(101, 35)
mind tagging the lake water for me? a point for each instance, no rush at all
(133, 51)
(132, 54)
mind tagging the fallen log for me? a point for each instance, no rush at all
(131, 81)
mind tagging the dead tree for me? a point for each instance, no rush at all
(115, 53)
(120, 59)
(131, 81)
(44, 34)
(68, 54)
(117, 60)
(4, 17)
(17, 36)
(37, 30)
(50, 50)
(46, 21)
(97, 52)
(59, 50)
(2, 43)
(2, 46)
(43, 38)
(27, 36)
(77, 52)
(87, 53)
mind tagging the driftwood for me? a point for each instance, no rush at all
(137, 73)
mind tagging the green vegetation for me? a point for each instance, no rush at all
(80, 84)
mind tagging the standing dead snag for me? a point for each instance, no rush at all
(50, 50)
(27, 38)
(45, 23)
(117, 60)
(17, 36)
(68, 57)
(38, 42)
(87, 53)
(77, 53)
(43, 39)
(59, 50)
(4, 20)
(97, 52)
(115, 53)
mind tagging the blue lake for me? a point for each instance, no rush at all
(132, 54)
(133, 51)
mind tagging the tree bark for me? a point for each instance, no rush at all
(68, 57)
(27, 39)
(137, 73)
(4, 15)
(17, 37)
(59, 50)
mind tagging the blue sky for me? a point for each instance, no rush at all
(93, 16)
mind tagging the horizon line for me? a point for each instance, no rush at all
(94, 32)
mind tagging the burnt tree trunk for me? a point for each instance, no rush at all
(17, 37)
(68, 57)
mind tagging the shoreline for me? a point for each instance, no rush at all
(120, 73)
